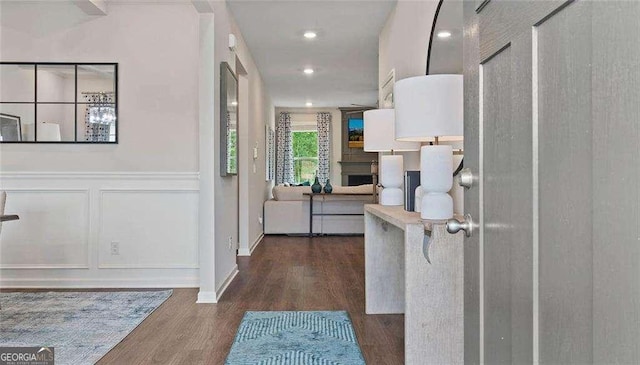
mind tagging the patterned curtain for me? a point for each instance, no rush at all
(324, 143)
(284, 163)
(99, 115)
(271, 154)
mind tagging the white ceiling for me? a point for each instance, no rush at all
(344, 55)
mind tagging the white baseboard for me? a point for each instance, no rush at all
(214, 296)
(207, 297)
(77, 283)
(226, 282)
(249, 251)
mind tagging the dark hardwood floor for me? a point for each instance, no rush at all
(284, 273)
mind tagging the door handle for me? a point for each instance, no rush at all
(466, 178)
(454, 226)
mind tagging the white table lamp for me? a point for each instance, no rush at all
(379, 136)
(430, 108)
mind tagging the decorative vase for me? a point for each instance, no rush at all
(328, 188)
(316, 187)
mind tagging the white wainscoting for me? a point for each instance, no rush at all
(68, 222)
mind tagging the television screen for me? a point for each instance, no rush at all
(356, 133)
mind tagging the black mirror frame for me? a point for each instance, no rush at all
(224, 128)
(75, 103)
(433, 30)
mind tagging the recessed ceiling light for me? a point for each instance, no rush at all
(310, 35)
(308, 70)
(444, 34)
(309, 103)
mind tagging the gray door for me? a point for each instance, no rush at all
(552, 119)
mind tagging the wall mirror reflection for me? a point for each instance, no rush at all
(444, 54)
(58, 102)
(228, 121)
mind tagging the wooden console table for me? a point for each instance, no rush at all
(398, 279)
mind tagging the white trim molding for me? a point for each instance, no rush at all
(163, 281)
(225, 284)
(249, 251)
(120, 175)
(136, 229)
(207, 297)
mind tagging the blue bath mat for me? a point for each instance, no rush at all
(295, 338)
(81, 326)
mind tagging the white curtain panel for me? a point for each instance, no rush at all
(284, 147)
(324, 146)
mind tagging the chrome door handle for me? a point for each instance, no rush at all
(465, 178)
(454, 226)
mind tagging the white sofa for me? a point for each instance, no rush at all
(288, 211)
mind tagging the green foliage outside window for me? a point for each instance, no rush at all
(305, 156)
(232, 154)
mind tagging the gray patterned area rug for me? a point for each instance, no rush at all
(81, 326)
(295, 338)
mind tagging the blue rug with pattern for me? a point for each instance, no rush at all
(295, 338)
(81, 326)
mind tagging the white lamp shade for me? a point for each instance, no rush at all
(379, 134)
(49, 132)
(429, 106)
(436, 168)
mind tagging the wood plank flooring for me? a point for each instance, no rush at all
(284, 273)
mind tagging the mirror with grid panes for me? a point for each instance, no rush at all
(58, 102)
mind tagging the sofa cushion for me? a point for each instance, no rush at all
(288, 193)
(360, 189)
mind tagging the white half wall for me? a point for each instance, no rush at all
(100, 230)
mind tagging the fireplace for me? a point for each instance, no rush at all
(353, 180)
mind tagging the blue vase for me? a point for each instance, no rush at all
(328, 188)
(316, 187)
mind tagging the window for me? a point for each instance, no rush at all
(305, 155)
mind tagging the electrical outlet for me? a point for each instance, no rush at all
(115, 248)
(230, 243)
(260, 220)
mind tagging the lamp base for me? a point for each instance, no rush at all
(436, 206)
(417, 205)
(391, 196)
